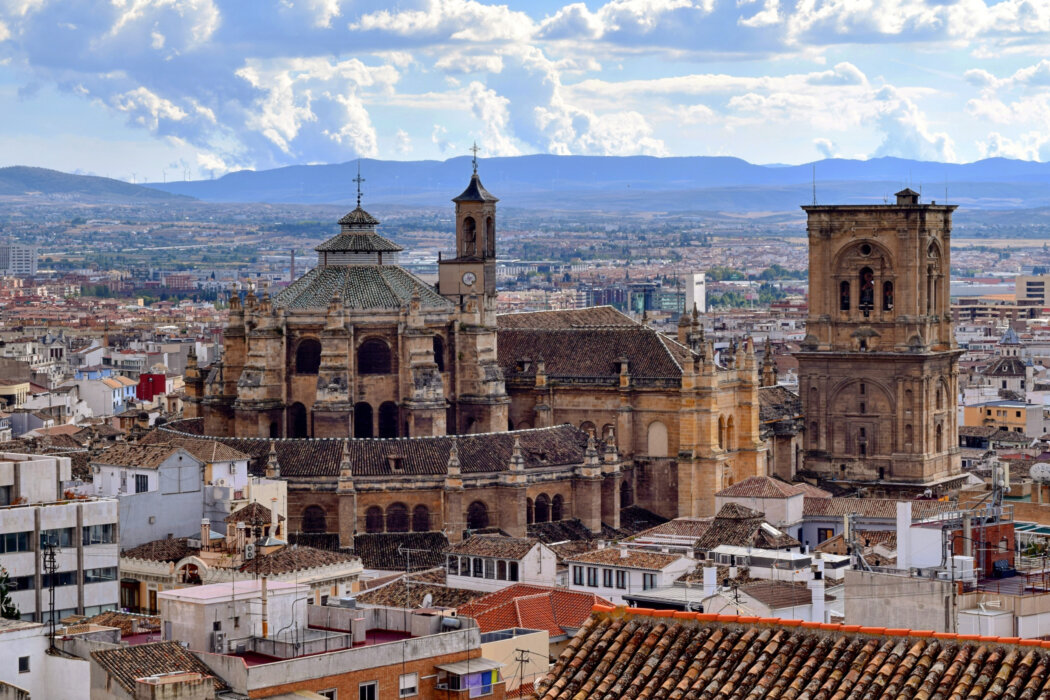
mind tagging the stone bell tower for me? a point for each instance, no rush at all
(878, 369)
(469, 281)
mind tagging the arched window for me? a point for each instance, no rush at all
(477, 516)
(314, 519)
(909, 434)
(657, 439)
(362, 420)
(940, 398)
(543, 508)
(439, 352)
(887, 296)
(388, 419)
(844, 296)
(940, 437)
(721, 432)
(397, 517)
(490, 237)
(420, 518)
(374, 519)
(275, 430)
(866, 295)
(470, 237)
(557, 508)
(528, 511)
(589, 428)
(297, 417)
(373, 357)
(730, 434)
(626, 494)
(307, 356)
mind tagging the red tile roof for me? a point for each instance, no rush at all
(495, 546)
(634, 653)
(532, 607)
(626, 558)
(885, 508)
(768, 487)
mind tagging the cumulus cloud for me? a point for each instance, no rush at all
(404, 142)
(1033, 145)
(907, 134)
(826, 147)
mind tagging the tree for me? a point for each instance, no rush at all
(8, 609)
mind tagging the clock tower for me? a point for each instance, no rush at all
(468, 280)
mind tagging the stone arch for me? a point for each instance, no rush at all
(589, 428)
(313, 519)
(543, 508)
(420, 518)
(308, 356)
(363, 420)
(470, 236)
(852, 257)
(490, 237)
(845, 395)
(866, 288)
(439, 352)
(557, 508)
(373, 357)
(524, 425)
(397, 518)
(477, 516)
(529, 517)
(657, 439)
(730, 433)
(388, 419)
(299, 420)
(721, 432)
(374, 520)
(626, 494)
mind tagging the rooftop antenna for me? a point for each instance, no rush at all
(358, 180)
(474, 160)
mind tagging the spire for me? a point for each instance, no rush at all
(474, 160)
(517, 460)
(360, 179)
(453, 459)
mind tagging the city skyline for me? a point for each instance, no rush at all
(166, 90)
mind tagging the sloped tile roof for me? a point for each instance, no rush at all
(137, 455)
(494, 546)
(679, 527)
(127, 622)
(361, 287)
(127, 664)
(778, 403)
(358, 217)
(478, 453)
(590, 353)
(778, 594)
(475, 192)
(380, 550)
(590, 317)
(742, 527)
(871, 507)
(760, 487)
(626, 558)
(1007, 366)
(533, 607)
(254, 512)
(171, 550)
(399, 594)
(210, 451)
(288, 559)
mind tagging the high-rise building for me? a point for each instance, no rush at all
(1032, 288)
(696, 291)
(878, 369)
(16, 259)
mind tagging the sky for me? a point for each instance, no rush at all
(152, 90)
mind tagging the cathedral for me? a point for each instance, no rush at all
(393, 405)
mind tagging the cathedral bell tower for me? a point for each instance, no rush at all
(878, 369)
(468, 280)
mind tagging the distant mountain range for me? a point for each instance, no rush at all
(700, 184)
(32, 183)
(638, 183)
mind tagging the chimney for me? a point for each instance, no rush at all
(967, 536)
(903, 535)
(816, 589)
(624, 553)
(265, 621)
(273, 517)
(240, 537)
(205, 534)
(710, 581)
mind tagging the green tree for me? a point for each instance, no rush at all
(8, 609)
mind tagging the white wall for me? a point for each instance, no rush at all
(634, 580)
(49, 677)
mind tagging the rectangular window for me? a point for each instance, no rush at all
(14, 542)
(577, 575)
(512, 571)
(23, 664)
(480, 684)
(59, 538)
(216, 625)
(824, 533)
(592, 576)
(621, 579)
(1018, 414)
(98, 575)
(368, 691)
(648, 581)
(478, 568)
(99, 534)
(408, 685)
(141, 483)
(331, 694)
(453, 566)
(62, 578)
(490, 568)
(607, 578)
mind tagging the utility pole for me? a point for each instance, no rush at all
(50, 570)
(522, 655)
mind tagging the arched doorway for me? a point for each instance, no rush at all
(314, 519)
(297, 417)
(388, 419)
(362, 420)
(477, 516)
(657, 439)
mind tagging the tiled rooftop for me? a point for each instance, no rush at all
(742, 527)
(871, 507)
(494, 546)
(572, 318)
(126, 664)
(626, 558)
(534, 607)
(361, 287)
(768, 487)
(138, 455)
(640, 654)
(288, 559)
(254, 512)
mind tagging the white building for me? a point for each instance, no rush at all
(492, 562)
(216, 617)
(613, 572)
(25, 665)
(696, 292)
(16, 259)
(84, 531)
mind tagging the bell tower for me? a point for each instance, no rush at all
(468, 280)
(878, 369)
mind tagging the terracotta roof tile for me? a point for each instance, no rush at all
(533, 607)
(254, 512)
(626, 558)
(495, 546)
(138, 455)
(398, 594)
(871, 507)
(571, 318)
(288, 559)
(172, 550)
(380, 550)
(742, 527)
(126, 664)
(587, 353)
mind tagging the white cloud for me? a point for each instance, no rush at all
(490, 110)
(450, 20)
(826, 147)
(1030, 146)
(906, 132)
(5, 33)
(462, 62)
(404, 142)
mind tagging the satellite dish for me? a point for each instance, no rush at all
(427, 601)
(1040, 471)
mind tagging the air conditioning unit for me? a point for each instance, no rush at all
(221, 482)
(218, 642)
(249, 550)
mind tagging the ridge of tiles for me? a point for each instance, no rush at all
(644, 653)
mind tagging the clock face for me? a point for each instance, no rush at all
(469, 278)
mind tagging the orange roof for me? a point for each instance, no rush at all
(532, 607)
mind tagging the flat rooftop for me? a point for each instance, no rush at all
(214, 592)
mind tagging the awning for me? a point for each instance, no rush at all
(462, 668)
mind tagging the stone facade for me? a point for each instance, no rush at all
(878, 370)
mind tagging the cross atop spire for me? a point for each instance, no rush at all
(475, 148)
(360, 179)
